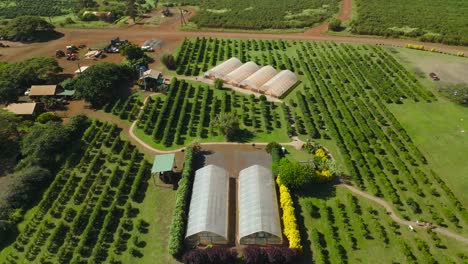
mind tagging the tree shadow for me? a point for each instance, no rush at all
(242, 136)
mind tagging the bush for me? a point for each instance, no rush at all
(334, 25)
(47, 117)
(169, 61)
(291, 230)
(270, 255)
(214, 255)
(179, 219)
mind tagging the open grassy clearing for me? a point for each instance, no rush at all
(101, 207)
(344, 97)
(429, 20)
(450, 69)
(343, 228)
(437, 129)
(263, 14)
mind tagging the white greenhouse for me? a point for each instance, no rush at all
(280, 84)
(256, 80)
(208, 214)
(259, 220)
(241, 73)
(224, 68)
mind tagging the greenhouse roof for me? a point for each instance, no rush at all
(163, 163)
(224, 68)
(242, 72)
(280, 84)
(258, 207)
(209, 204)
(260, 77)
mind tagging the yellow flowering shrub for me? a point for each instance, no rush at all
(321, 154)
(324, 175)
(414, 46)
(289, 217)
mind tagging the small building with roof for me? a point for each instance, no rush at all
(37, 91)
(259, 220)
(164, 166)
(27, 110)
(209, 208)
(151, 80)
(223, 69)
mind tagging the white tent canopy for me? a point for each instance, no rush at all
(260, 77)
(258, 207)
(242, 72)
(209, 204)
(224, 68)
(280, 84)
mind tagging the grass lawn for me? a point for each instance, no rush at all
(437, 129)
(156, 209)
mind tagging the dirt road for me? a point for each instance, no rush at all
(168, 32)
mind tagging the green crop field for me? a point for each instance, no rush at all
(429, 20)
(99, 209)
(344, 97)
(262, 14)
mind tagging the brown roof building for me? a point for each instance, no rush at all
(43, 90)
(23, 109)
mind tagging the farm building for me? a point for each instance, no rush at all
(101, 15)
(280, 84)
(151, 80)
(208, 214)
(259, 220)
(223, 69)
(241, 73)
(43, 90)
(24, 109)
(81, 69)
(256, 80)
(164, 166)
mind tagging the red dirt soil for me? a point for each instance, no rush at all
(168, 32)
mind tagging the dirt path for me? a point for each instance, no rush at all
(346, 9)
(402, 221)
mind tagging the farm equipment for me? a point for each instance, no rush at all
(72, 56)
(59, 54)
(114, 46)
(434, 76)
(72, 49)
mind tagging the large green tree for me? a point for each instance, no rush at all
(227, 124)
(103, 83)
(17, 76)
(26, 27)
(9, 138)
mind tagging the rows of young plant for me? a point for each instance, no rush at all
(379, 154)
(345, 92)
(346, 228)
(188, 112)
(11, 9)
(88, 213)
(261, 14)
(432, 21)
(127, 109)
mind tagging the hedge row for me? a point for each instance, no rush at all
(291, 230)
(179, 219)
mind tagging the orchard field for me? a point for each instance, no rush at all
(429, 20)
(97, 210)
(262, 14)
(343, 99)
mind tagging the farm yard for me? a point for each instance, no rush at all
(219, 146)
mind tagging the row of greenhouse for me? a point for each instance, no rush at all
(258, 220)
(251, 76)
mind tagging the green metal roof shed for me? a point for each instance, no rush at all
(163, 163)
(67, 93)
